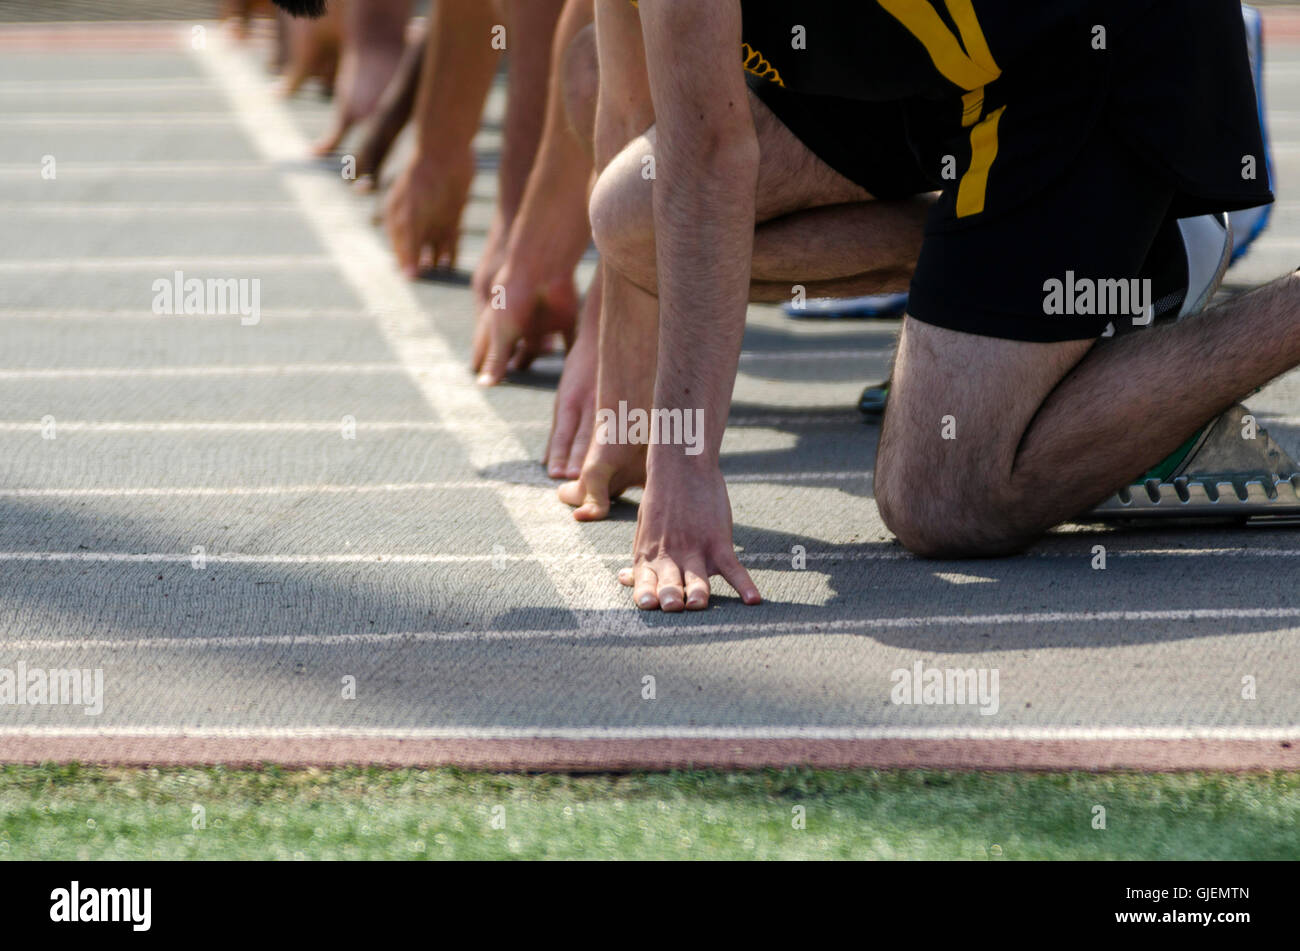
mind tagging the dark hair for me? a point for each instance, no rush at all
(302, 8)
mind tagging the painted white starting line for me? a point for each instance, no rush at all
(23, 88)
(257, 369)
(237, 168)
(1027, 734)
(47, 492)
(144, 313)
(166, 266)
(362, 426)
(513, 487)
(116, 120)
(626, 624)
(255, 426)
(94, 209)
(244, 369)
(433, 558)
(797, 356)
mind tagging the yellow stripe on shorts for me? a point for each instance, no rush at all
(922, 21)
(983, 150)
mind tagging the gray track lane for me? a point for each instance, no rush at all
(325, 551)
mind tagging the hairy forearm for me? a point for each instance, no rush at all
(704, 233)
(705, 181)
(458, 68)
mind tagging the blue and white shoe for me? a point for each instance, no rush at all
(1249, 224)
(1186, 265)
(842, 308)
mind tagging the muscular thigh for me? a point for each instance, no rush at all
(790, 178)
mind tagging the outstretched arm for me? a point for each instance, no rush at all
(424, 207)
(548, 234)
(705, 181)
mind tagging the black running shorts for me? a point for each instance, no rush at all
(1061, 135)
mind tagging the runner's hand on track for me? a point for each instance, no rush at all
(423, 210)
(683, 537)
(519, 319)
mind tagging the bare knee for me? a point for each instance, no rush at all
(580, 85)
(622, 215)
(939, 515)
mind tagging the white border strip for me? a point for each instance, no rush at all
(1032, 734)
(754, 558)
(82, 87)
(115, 120)
(269, 315)
(184, 491)
(165, 267)
(512, 487)
(332, 425)
(82, 210)
(245, 426)
(110, 169)
(245, 369)
(618, 624)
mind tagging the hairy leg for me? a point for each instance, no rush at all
(629, 317)
(1045, 431)
(532, 26)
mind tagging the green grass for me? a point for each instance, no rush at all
(73, 812)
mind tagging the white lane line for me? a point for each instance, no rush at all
(235, 426)
(142, 313)
(440, 559)
(164, 267)
(235, 559)
(517, 490)
(619, 624)
(23, 88)
(362, 425)
(366, 265)
(719, 732)
(246, 369)
(851, 475)
(130, 209)
(798, 356)
(416, 558)
(241, 490)
(206, 168)
(116, 120)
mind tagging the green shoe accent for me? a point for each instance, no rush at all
(874, 399)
